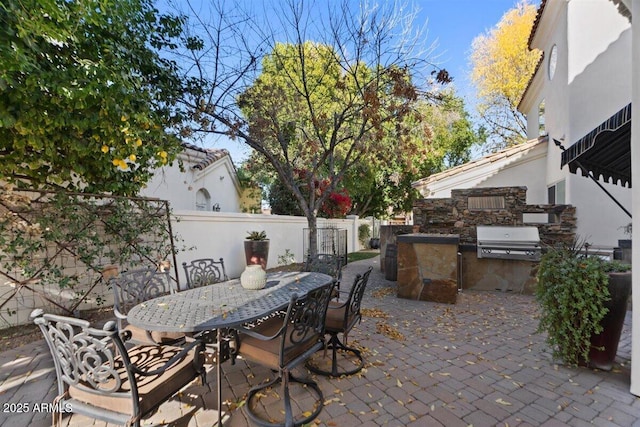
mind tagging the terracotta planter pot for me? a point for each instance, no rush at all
(604, 346)
(256, 252)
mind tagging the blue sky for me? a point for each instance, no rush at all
(452, 24)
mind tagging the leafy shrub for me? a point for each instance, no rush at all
(364, 232)
(571, 291)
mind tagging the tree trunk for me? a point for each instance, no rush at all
(312, 221)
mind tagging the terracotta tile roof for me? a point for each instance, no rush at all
(534, 28)
(622, 9)
(211, 155)
(530, 82)
(491, 158)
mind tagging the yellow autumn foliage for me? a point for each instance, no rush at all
(502, 64)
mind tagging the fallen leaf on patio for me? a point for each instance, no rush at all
(398, 383)
(401, 402)
(412, 417)
(444, 374)
(389, 331)
(380, 293)
(503, 402)
(162, 304)
(306, 413)
(374, 312)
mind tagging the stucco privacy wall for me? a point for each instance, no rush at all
(217, 234)
(453, 216)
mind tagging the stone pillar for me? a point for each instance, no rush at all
(428, 267)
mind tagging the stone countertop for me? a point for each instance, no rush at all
(438, 239)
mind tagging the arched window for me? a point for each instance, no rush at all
(542, 126)
(203, 200)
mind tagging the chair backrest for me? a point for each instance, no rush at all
(352, 312)
(205, 271)
(304, 322)
(135, 286)
(325, 263)
(87, 358)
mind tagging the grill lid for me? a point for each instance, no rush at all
(507, 236)
(508, 242)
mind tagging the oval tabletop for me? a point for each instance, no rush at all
(222, 305)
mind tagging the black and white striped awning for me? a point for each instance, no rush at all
(605, 151)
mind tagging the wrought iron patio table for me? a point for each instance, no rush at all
(222, 305)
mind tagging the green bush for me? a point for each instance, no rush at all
(364, 232)
(572, 291)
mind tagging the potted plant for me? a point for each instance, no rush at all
(256, 248)
(583, 302)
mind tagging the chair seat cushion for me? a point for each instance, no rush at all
(142, 336)
(268, 352)
(335, 317)
(152, 390)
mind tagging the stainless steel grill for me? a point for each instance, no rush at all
(508, 242)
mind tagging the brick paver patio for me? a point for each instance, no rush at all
(478, 362)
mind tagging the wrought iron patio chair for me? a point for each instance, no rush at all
(204, 271)
(134, 287)
(281, 343)
(328, 264)
(100, 378)
(341, 318)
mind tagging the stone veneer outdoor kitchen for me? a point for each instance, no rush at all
(431, 265)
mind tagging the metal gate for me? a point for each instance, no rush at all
(330, 241)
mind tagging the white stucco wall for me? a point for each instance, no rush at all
(519, 169)
(180, 187)
(528, 172)
(600, 220)
(597, 90)
(217, 234)
(586, 90)
(635, 177)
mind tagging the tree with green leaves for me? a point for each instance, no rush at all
(444, 136)
(87, 101)
(502, 66)
(320, 106)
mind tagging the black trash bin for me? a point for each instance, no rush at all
(391, 262)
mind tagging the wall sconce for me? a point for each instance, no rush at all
(216, 208)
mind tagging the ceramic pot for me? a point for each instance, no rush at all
(256, 252)
(604, 346)
(253, 277)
